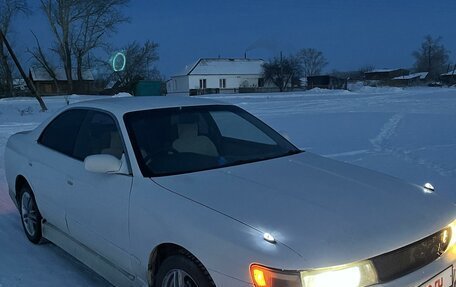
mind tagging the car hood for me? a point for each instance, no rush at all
(329, 212)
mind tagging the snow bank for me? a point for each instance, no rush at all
(122, 95)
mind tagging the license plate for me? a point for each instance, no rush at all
(443, 279)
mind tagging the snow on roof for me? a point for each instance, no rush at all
(224, 66)
(421, 76)
(188, 68)
(40, 74)
(383, 70)
(18, 82)
(450, 73)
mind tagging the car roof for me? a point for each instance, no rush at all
(122, 105)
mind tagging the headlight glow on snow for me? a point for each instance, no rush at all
(351, 275)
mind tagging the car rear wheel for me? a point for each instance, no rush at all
(30, 215)
(180, 271)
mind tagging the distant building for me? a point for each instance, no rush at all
(410, 80)
(384, 74)
(326, 82)
(45, 85)
(218, 75)
(449, 78)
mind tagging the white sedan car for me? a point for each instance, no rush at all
(175, 191)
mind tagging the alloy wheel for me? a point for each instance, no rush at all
(178, 278)
(29, 213)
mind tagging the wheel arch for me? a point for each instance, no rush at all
(20, 182)
(165, 250)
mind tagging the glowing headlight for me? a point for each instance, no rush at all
(351, 275)
(451, 236)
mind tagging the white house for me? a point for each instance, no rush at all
(218, 75)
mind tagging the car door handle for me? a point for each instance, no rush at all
(69, 182)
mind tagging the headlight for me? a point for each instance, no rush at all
(451, 235)
(352, 275)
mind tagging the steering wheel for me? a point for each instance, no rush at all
(169, 151)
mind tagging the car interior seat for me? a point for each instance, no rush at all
(189, 141)
(115, 147)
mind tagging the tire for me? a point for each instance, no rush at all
(30, 215)
(181, 271)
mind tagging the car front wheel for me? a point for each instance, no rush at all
(180, 271)
(30, 215)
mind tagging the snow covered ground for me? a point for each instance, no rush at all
(408, 133)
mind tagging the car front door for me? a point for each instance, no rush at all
(52, 163)
(98, 204)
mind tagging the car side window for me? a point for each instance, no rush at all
(60, 135)
(98, 135)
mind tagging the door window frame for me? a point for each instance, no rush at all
(89, 109)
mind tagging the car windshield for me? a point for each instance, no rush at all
(187, 139)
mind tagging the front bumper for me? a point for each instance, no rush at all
(414, 279)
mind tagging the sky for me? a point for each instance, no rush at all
(351, 33)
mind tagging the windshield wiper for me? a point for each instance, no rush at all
(245, 161)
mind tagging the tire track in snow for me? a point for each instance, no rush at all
(386, 132)
(380, 145)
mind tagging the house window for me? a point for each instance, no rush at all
(202, 83)
(222, 83)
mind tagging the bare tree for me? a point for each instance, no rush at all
(100, 18)
(366, 68)
(8, 10)
(28, 82)
(432, 57)
(44, 63)
(140, 64)
(79, 26)
(61, 15)
(282, 71)
(312, 61)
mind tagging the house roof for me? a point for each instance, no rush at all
(383, 70)
(450, 73)
(18, 82)
(40, 74)
(224, 66)
(421, 76)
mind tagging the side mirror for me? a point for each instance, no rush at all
(102, 163)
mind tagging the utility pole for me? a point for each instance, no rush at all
(429, 59)
(29, 83)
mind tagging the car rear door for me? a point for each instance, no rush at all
(97, 204)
